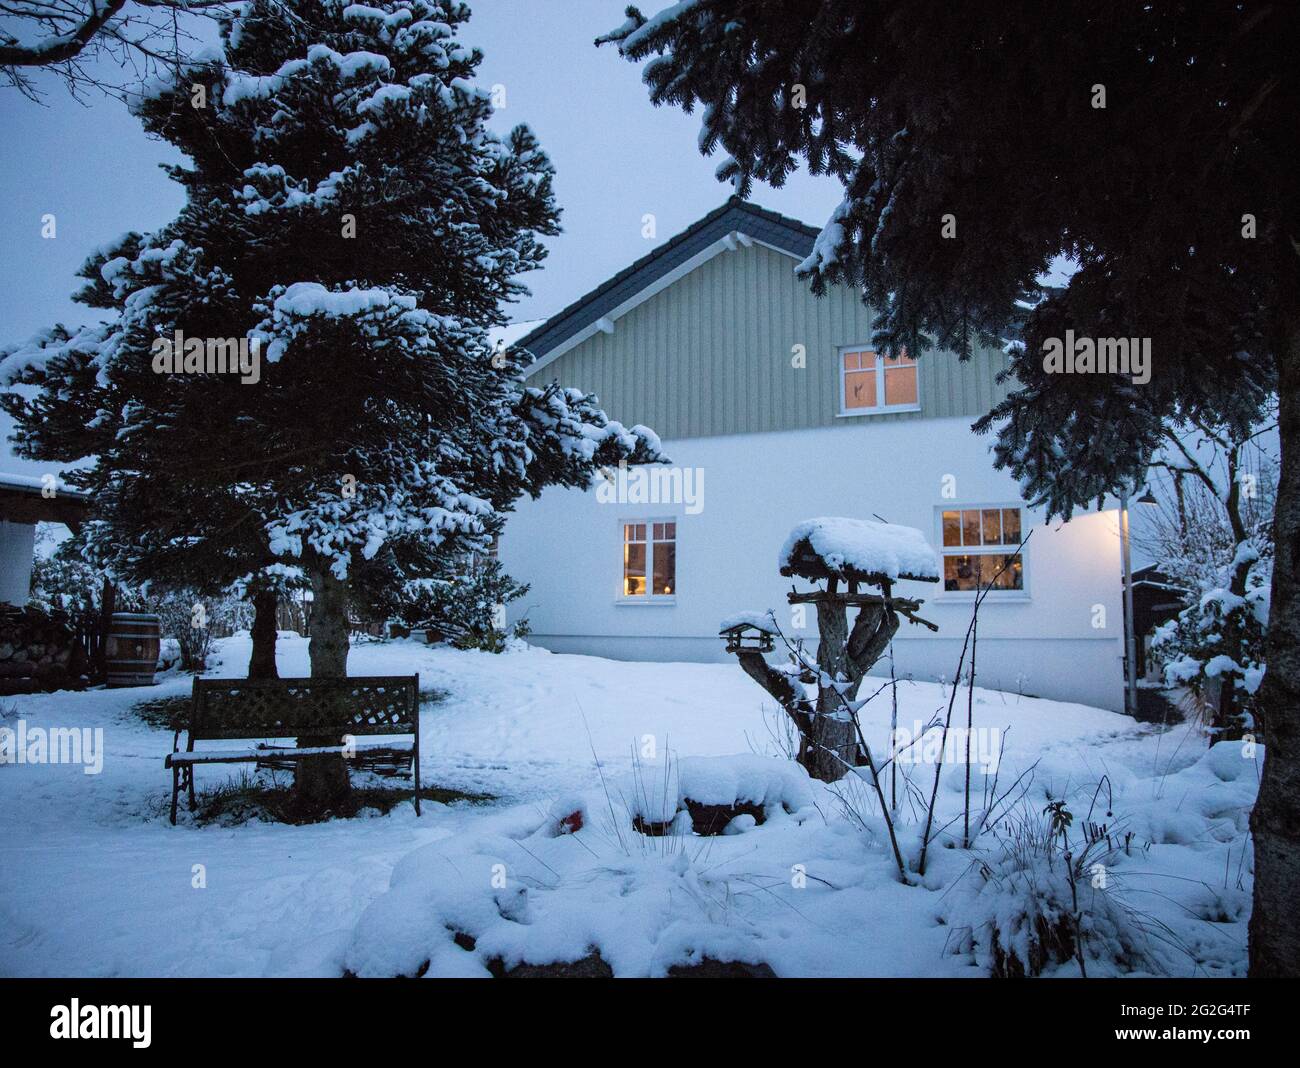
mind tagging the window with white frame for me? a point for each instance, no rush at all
(980, 547)
(650, 558)
(870, 382)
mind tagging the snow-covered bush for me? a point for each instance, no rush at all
(1040, 901)
(62, 580)
(535, 892)
(192, 622)
(1220, 637)
(1213, 535)
(467, 610)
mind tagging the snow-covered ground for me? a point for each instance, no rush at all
(94, 881)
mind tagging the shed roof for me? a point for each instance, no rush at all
(23, 500)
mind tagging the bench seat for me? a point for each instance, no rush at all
(264, 752)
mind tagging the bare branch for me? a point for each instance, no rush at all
(61, 46)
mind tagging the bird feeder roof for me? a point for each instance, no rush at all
(741, 621)
(857, 550)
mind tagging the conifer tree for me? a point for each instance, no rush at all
(351, 231)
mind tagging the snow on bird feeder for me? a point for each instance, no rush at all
(858, 551)
(835, 550)
(748, 630)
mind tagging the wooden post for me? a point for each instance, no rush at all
(107, 606)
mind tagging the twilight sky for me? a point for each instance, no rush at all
(617, 158)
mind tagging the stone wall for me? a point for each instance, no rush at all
(38, 651)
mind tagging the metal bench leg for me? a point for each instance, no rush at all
(176, 789)
(189, 778)
(416, 761)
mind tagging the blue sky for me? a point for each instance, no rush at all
(617, 158)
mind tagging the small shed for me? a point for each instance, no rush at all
(25, 501)
(1157, 598)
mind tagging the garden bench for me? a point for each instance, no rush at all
(260, 709)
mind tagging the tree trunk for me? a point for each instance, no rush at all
(1229, 722)
(328, 648)
(833, 743)
(321, 783)
(262, 663)
(1275, 821)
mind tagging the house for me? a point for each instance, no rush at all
(773, 409)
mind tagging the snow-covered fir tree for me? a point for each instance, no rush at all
(352, 222)
(351, 232)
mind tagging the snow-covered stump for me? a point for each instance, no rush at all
(858, 553)
(717, 795)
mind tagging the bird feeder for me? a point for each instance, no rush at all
(747, 635)
(845, 554)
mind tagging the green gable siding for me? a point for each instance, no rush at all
(710, 355)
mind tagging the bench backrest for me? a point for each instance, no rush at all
(290, 708)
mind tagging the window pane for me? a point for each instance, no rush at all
(992, 526)
(633, 569)
(970, 527)
(859, 390)
(952, 528)
(665, 561)
(852, 361)
(900, 384)
(1011, 526)
(958, 573)
(670, 530)
(977, 570)
(1013, 578)
(658, 531)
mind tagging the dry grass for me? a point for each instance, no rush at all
(249, 798)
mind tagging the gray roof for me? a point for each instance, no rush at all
(769, 227)
(36, 486)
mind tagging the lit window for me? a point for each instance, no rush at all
(871, 382)
(650, 559)
(979, 548)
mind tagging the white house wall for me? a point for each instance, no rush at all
(16, 541)
(1062, 639)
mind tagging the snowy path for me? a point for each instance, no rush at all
(93, 880)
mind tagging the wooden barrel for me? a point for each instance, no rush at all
(131, 651)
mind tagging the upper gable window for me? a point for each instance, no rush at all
(870, 382)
